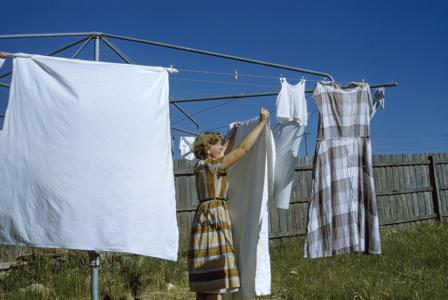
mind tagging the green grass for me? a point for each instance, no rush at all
(414, 265)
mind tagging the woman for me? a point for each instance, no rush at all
(211, 257)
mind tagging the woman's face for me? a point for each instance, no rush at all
(216, 151)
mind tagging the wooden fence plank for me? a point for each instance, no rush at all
(435, 183)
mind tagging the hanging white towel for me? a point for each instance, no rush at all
(287, 141)
(85, 158)
(186, 147)
(250, 185)
(291, 103)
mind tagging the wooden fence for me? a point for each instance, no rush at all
(410, 188)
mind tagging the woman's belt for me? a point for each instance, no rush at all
(209, 199)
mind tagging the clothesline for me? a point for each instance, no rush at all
(222, 104)
(224, 82)
(237, 74)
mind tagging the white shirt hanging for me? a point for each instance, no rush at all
(292, 118)
(291, 103)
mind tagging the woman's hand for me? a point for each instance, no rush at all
(264, 114)
(3, 54)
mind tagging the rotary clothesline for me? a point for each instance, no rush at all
(97, 37)
(105, 38)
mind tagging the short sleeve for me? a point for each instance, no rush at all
(216, 166)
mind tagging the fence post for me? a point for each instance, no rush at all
(435, 187)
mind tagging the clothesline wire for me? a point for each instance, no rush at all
(226, 82)
(225, 126)
(207, 109)
(203, 110)
(242, 74)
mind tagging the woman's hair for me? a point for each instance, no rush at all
(203, 143)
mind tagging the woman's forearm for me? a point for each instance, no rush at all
(247, 142)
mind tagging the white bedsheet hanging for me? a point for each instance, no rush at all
(250, 186)
(85, 160)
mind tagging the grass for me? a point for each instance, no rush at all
(414, 265)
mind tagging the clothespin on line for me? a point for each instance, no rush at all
(171, 70)
(235, 74)
(282, 79)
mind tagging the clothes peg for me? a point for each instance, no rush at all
(282, 79)
(235, 74)
(172, 70)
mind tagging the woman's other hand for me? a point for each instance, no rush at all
(3, 54)
(264, 114)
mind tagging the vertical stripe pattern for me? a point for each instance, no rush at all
(212, 264)
(342, 214)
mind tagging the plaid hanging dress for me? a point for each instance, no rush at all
(342, 214)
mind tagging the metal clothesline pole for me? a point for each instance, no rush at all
(186, 114)
(75, 55)
(53, 52)
(184, 131)
(46, 35)
(220, 55)
(117, 51)
(94, 255)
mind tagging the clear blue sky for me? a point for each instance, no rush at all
(379, 41)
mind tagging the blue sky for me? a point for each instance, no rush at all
(377, 41)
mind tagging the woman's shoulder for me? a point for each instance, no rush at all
(200, 164)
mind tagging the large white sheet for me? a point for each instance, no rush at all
(85, 158)
(250, 186)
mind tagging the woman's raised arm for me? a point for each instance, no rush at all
(247, 142)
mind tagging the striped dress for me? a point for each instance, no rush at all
(212, 264)
(342, 214)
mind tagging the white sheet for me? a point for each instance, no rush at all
(250, 185)
(85, 158)
(287, 140)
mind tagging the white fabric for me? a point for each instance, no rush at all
(85, 158)
(250, 186)
(186, 147)
(287, 141)
(291, 103)
(2, 61)
(378, 100)
(292, 117)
